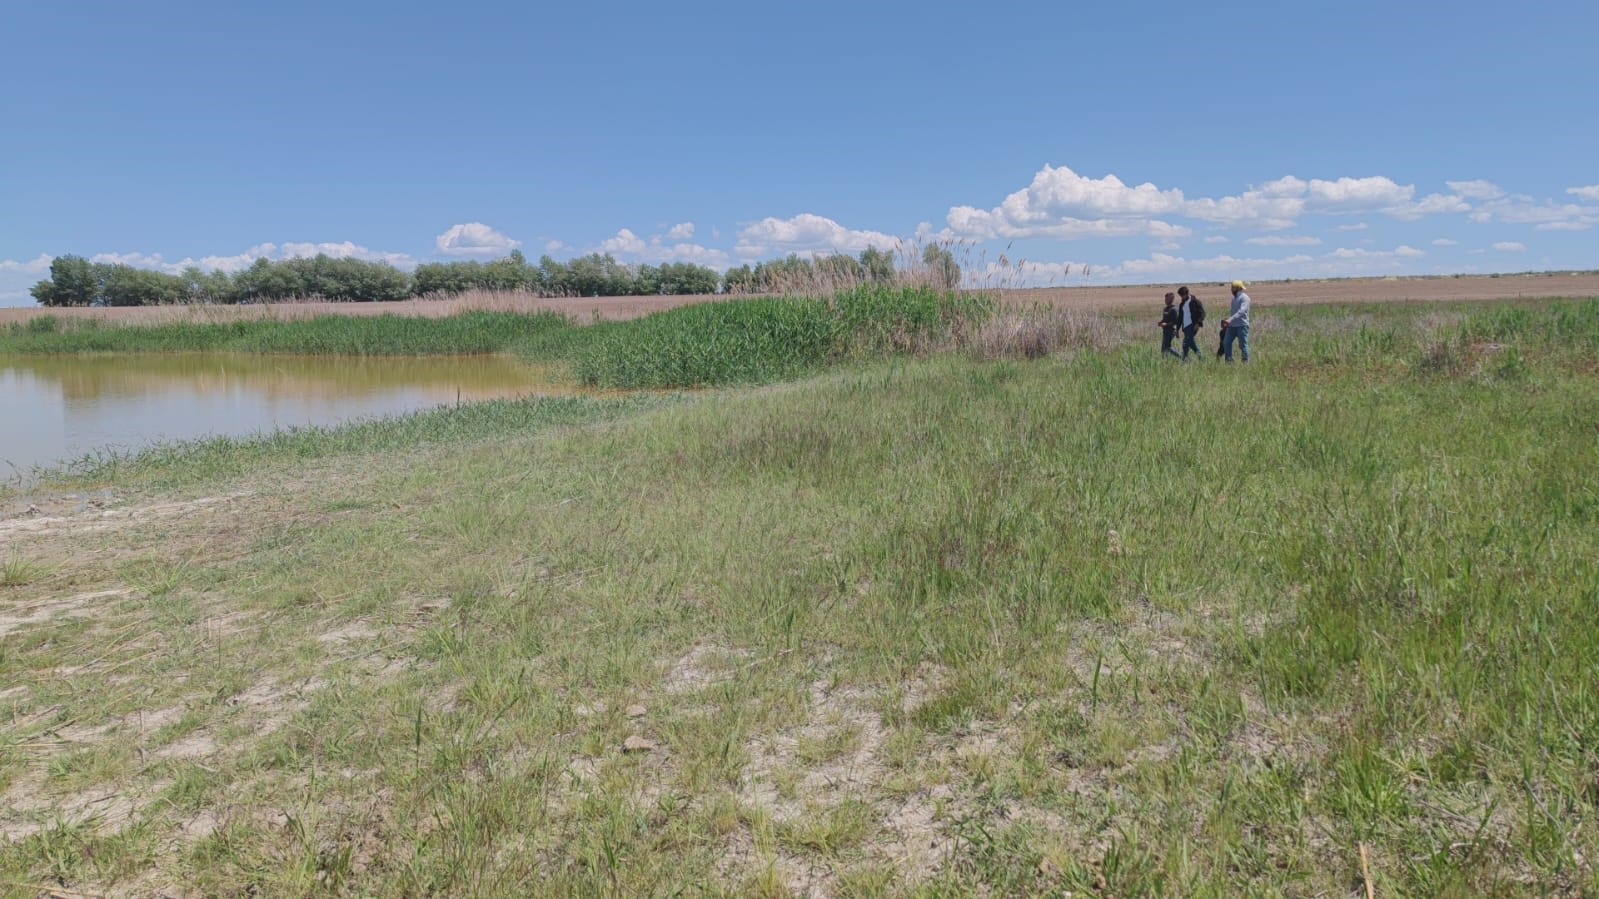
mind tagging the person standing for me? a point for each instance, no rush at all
(1168, 325)
(1190, 317)
(1235, 327)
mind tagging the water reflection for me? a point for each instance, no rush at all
(54, 409)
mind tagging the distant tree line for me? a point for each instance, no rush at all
(76, 281)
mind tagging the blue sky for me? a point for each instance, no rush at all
(1149, 142)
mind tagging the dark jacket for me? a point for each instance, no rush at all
(1170, 320)
(1197, 313)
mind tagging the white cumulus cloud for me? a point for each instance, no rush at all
(629, 247)
(474, 239)
(1591, 192)
(1160, 265)
(806, 233)
(1358, 194)
(1445, 242)
(1431, 204)
(1274, 240)
(1360, 253)
(1476, 189)
(1272, 206)
(1063, 190)
(1519, 209)
(137, 260)
(1341, 262)
(1060, 203)
(682, 231)
(32, 266)
(1510, 246)
(1063, 204)
(343, 250)
(238, 261)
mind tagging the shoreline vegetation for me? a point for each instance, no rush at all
(966, 599)
(749, 342)
(735, 341)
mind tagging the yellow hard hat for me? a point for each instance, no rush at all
(1238, 284)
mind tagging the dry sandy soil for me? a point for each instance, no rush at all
(1265, 293)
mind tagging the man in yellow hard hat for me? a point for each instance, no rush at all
(1235, 327)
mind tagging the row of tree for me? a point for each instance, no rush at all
(591, 275)
(76, 281)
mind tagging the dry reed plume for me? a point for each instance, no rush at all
(1037, 332)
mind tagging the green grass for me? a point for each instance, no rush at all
(741, 341)
(883, 637)
(382, 335)
(19, 572)
(758, 341)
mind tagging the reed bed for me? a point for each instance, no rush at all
(736, 341)
(751, 341)
(464, 333)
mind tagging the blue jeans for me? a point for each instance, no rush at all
(1188, 341)
(1239, 333)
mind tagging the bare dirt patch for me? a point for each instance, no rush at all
(836, 757)
(701, 667)
(196, 745)
(80, 605)
(352, 632)
(97, 520)
(28, 808)
(270, 703)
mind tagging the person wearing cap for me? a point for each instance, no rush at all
(1190, 317)
(1235, 327)
(1168, 325)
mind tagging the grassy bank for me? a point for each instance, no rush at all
(1098, 622)
(763, 340)
(740, 341)
(385, 335)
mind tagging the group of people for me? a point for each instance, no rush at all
(1185, 314)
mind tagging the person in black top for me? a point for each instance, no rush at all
(1190, 317)
(1168, 325)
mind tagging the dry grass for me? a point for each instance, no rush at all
(581, 309)
(1320, 292)
(822, 279)
(1040, 331)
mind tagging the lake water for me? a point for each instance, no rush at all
(59, 408)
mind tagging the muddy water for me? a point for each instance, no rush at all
(55, 409)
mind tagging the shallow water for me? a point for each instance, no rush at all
(59, 408)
